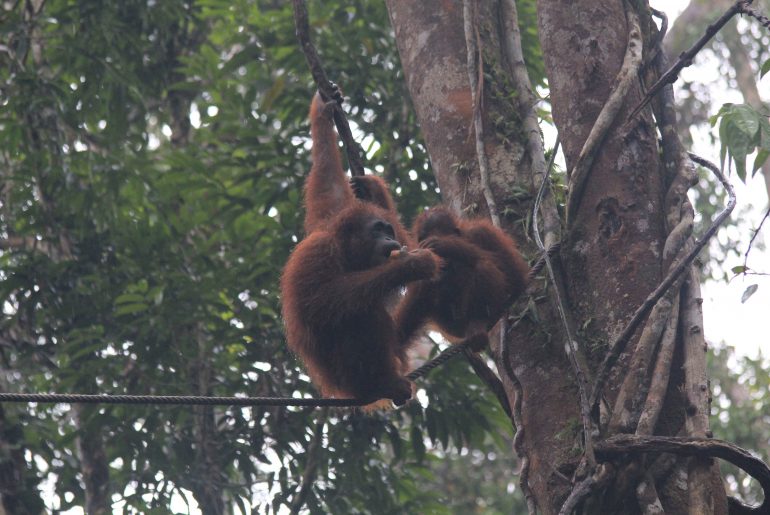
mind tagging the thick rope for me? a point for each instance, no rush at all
(188, 400)
(442, 358)
(540, 263)
(194, 400)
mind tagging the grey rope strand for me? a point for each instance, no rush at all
(194, 400)
(439, 360)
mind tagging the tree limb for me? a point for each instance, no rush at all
(619, 446)
(686, 57)
(514, 60)
(326, 88)
(622, 340)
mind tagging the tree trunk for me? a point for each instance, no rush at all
(94, 466)
(206, 483)
(612, 254)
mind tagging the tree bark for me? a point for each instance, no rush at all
(94, 466)
(612, 253)
(431, 43)
(206, 483)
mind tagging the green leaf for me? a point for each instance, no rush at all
(127, 309)
(745, 119)
(751, 290)
(762, 156)
(129, 298)
(738, 269)
(764, 69)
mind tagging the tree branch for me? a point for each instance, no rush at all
(620, 446)
(326, 88)
(686, 57)
(518, 438)
(634, 383)
(660, 375)
(584, 488)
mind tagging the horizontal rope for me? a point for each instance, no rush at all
(195, 400)
(190, 400)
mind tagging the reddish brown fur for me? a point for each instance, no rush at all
(335, 313)
(335, 285)
(370, 188)
(483, 273)
(327, 189)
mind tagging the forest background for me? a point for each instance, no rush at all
(152, 156)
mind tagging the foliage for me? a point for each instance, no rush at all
(743, 131)
(740, 412)
(152, 156)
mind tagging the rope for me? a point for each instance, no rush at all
(194, 400)
(442, 358)
(190, 400)
(540, 263)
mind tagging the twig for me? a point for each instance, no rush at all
(753, 237)
(761, 18)
(686, 57)
(625, 79)
(619, 446)
(326, 88)
(622, 340)
(476, 78)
